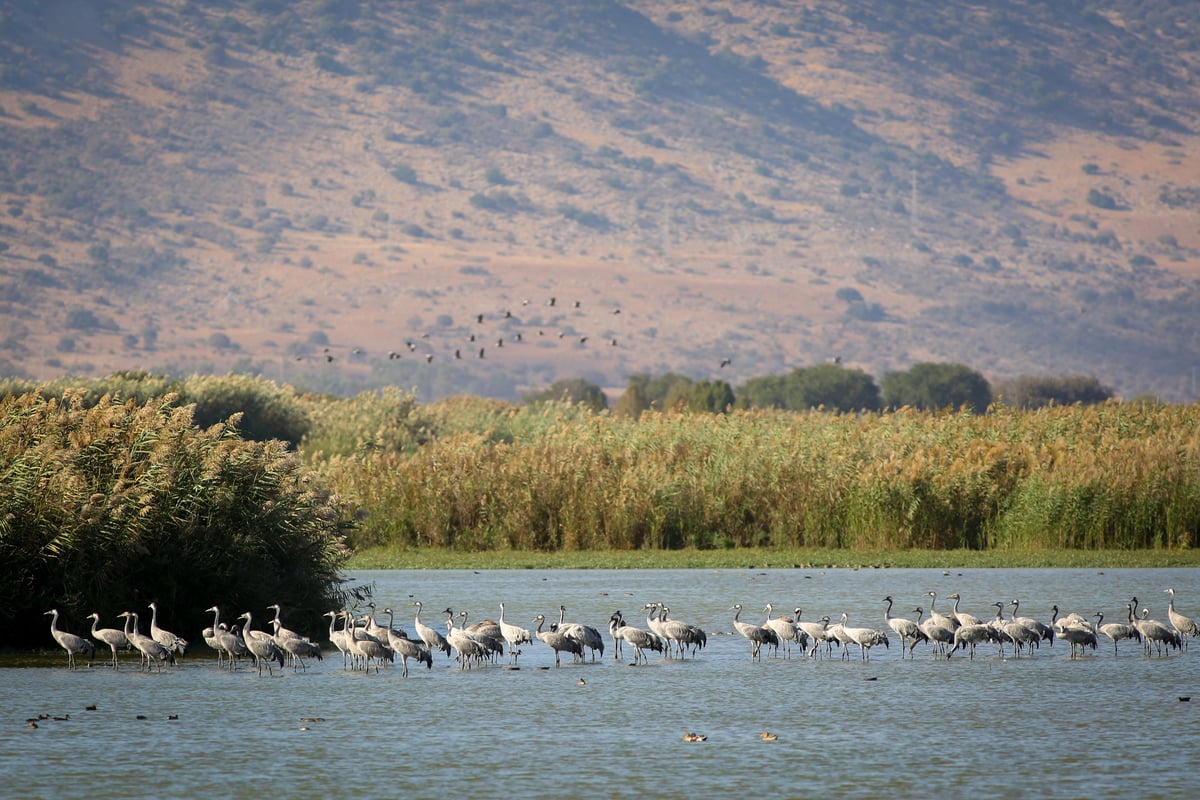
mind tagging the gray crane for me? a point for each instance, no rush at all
(938, 635)
(865, 638)
(515, 635)
(432, 638)
(968, 636)
(281, 632)
(816, 631)
(176, 644)
(110, 636)
(151, 650)
(785, 630)
(487, 633)
(558, 642)
(340, 639)
(588, 636)
(1154, 633)
(905, 628)
(407, 648)
(1078, 636)
(469, 648)
(262, 648)
(296, 647)
(74, 645)
(1116, 631)
(937, 617)
(1044, 632)
(1185, 626)
(962, 617)
(683, 634)
(757, 635)
(637, 638)
(366, 647)
(227, 643)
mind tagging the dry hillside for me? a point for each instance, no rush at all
(347, 194)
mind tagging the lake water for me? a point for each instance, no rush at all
(1044, 726)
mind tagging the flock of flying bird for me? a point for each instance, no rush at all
(477, 344)
(364, 643)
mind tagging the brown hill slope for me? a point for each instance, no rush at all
(331, 193)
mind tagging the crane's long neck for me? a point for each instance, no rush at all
(562, 613)
(1171, 600)
(95, 622)
(888, 613)
(417, 620)
(737, 612)
(502, 613)
(153, 615)
(332, 623)
(54, 621)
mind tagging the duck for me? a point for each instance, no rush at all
(769, 737)
(694, 737)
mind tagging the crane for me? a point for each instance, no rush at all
(1185, 626)
(406, 648)
(469, 648)
(262, 648)
(637, 638)
(865, 638)
(110, 636)
(74, 645)
(297, 647)
(226, 642)
(176, 644)
(756, 634)
(557, 641)
(588, 636)
(432, 639)
(785, 630)
(1118, 630)
(905, 628)
(151, 650)
(515, 635)
(339, 639)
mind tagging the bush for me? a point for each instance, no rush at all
(1099, 199)
(929, 386)
(115, 504)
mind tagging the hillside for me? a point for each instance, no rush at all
(345, 194)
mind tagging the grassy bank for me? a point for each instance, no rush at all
(765, 558)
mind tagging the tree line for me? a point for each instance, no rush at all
(925, 386)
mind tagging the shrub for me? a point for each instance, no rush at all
(1099, 199)
(114, 504)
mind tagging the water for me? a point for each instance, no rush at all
(1100, 726)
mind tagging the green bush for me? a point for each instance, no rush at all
(113, 504)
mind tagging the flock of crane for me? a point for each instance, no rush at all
(364, 643)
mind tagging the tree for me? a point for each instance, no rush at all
(824, 385)
(932, 386)
(766, 391)
(834, 387)
(712, 396)
(570, 390)
(1037, 391)
(665, 391)
(632, 401)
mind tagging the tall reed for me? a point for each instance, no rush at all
(554, 477)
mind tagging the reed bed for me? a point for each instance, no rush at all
(496, 477)
(107, 504)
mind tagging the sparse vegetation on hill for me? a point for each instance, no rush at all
(207, 185)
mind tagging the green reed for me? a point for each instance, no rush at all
(554, 477)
